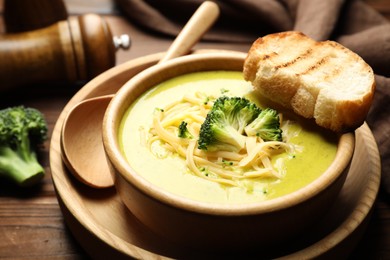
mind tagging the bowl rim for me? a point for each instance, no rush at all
(115, 156)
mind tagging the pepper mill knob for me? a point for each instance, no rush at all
(122, 42)
(72, 50)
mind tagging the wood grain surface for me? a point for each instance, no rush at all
(31, 222)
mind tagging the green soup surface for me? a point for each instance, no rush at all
(318, 146)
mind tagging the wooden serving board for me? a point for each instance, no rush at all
(105, 228)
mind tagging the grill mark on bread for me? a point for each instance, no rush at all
(334, 73)
(316, 65)
(303, 56)
(268, 56)
(324, 61)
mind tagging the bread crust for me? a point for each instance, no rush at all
(320, 80)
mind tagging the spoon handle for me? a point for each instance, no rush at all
(203, 18)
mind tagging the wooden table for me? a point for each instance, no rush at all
(31, 223)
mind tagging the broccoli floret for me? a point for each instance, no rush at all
(246, 114)
(224, 124)
(266, 126)
(21, 129)
(183, 131)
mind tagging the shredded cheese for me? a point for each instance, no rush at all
(224, 167)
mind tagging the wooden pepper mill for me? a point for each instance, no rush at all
(71, 50)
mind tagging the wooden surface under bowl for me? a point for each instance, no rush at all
(104, 227)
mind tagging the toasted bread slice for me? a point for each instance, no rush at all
(320, 80)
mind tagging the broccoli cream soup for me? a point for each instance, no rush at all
(205, 136)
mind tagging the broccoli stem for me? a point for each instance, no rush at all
(25, 171)
(234, 141)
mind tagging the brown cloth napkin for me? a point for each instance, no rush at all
(349, 22)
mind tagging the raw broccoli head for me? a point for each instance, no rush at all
(266, 126)
(224, 124)
(21, 129)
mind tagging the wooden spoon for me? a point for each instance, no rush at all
(81, 144)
